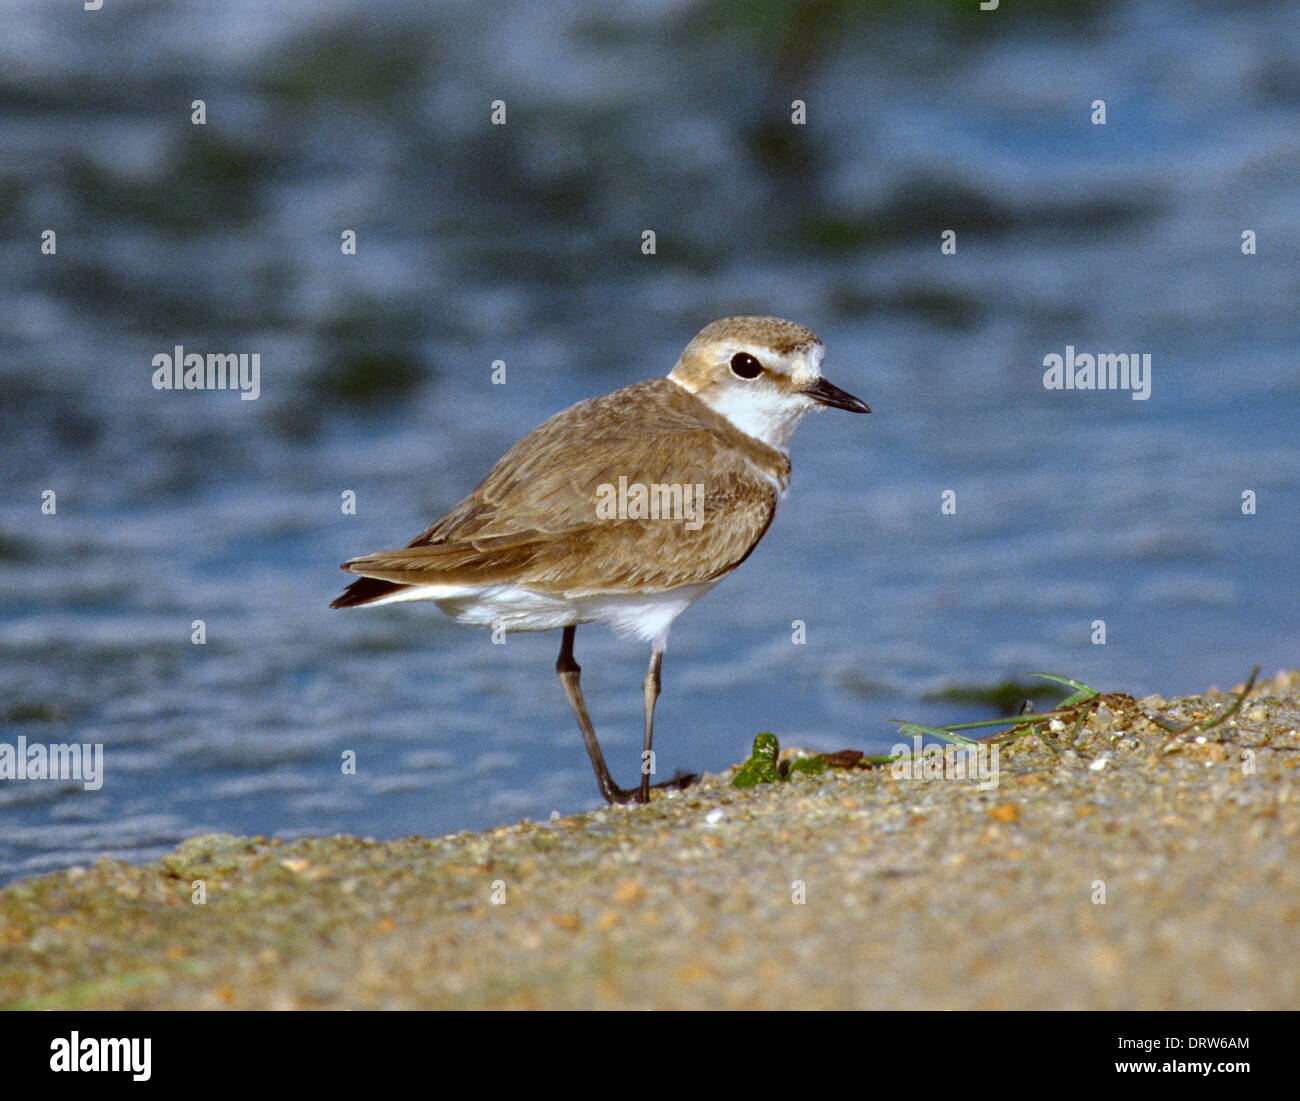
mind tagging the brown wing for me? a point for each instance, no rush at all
(533, 521)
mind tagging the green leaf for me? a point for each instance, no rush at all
(760, 768)
(813, 766)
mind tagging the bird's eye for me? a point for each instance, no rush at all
(743, 365)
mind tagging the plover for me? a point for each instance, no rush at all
(622, 509)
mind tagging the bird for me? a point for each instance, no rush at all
(622, 509)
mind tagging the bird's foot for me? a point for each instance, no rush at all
(679, 781)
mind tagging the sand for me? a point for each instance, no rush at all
(1116, 866)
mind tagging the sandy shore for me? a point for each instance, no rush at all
(915, 894)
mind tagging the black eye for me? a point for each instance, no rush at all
(743, 365)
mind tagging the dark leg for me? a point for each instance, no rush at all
(569, 671)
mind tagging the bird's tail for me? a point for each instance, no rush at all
(366, 590)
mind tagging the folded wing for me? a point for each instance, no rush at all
(536, 519)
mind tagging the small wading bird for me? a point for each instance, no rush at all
(535, 547)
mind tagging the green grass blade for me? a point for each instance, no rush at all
(908, 730)
(1076, 685)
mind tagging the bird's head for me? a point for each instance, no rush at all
(761, 373)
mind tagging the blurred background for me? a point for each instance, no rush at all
(522, 243)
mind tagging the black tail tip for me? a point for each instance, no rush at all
(364, 590)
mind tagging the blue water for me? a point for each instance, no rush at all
(521, 243)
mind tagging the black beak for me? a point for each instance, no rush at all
(829, 394)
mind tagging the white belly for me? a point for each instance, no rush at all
(646, 616)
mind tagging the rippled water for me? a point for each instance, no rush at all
(522, 243)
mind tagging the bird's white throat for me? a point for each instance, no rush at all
(766, 414)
